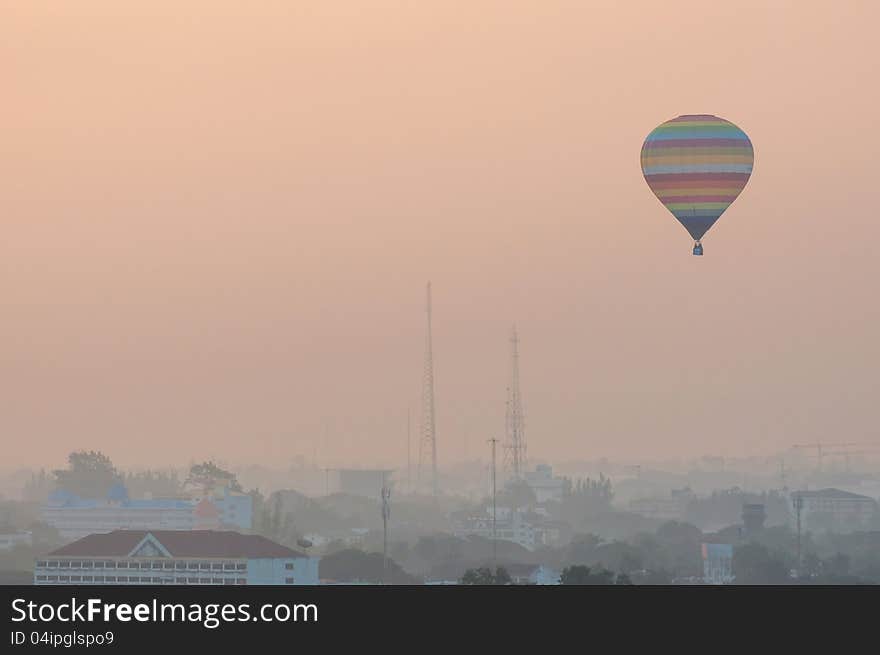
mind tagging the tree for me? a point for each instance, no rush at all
(754, 564)
(89, 474)
(155, 484)
(584, 575)
(485, 576)
(352, 565)
(207, 476)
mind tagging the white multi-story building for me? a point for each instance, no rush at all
(834, 509)
(175, 557)
(510, 525)
(543, 484)
(76, 517)
(9, 540)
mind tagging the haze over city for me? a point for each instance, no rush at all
(218, 225)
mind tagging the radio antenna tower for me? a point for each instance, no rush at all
(515, 436)
(428, 441)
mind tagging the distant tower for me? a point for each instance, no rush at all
(428, 441)
(515, 436)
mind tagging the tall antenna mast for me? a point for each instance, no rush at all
(515, 437)
(408, 457)
(428, 441)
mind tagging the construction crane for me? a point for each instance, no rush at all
(822, 449)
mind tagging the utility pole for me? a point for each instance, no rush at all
(494, 441)
(386, 515)
(798, 506)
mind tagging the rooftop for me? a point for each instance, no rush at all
(831, 494)
(178, 543)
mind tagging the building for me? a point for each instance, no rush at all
(668, 508)
(9, 540)
(753, 517)
(537, 574)
(509, 526)
(835, 510)
(175, 557)
(543, 484)
(76, 517)
(717, 563)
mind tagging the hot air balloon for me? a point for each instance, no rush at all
(697, 165)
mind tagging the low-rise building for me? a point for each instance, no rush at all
(667, 508)
(76, 517)
(537, 574)
(9, 540)
(717, 563)
(175, 557)
(510, 525)
(834, 509)
(544, 485)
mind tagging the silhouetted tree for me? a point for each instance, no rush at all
(485, 576)
(207, 477)
(755, 564)
(89, 474)
(584, 575)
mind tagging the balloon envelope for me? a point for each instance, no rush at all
(697, 165)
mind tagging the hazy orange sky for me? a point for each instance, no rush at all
(218, 219)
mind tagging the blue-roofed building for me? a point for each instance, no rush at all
(76, 517)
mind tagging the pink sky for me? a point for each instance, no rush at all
(219, 217)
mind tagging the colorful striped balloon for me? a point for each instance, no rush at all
(697, 165)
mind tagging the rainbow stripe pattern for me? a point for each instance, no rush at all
(697, 165)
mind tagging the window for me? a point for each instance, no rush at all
(229, 567)
(157, 565)
(205, 566)
(64, 565)
(87, 578)
(42, 564)
(180, 566)
(41, 577)
(76, 578)
(88, 565)
(169, 565)
(109, 565)
(76, 565)
(110, 578)
(53, 578)
(240, 567)
(289, 566)
(99, 578)
(180, 580)
(64, 578)
(217, 580)
(288, 580)
(121, 565)
(99, 565)
(205, 580)
(122, 578)
(193, 565)
(157, 580)
(216, 565)
(240, 581)
(192, 580)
